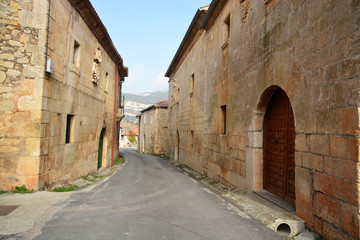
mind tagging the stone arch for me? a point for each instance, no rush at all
(102, 149)
(283, 71)
(101, 131)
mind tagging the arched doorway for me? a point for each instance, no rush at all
(279, 147)
(102, 150)
(177, 146)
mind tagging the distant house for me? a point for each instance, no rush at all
(124, 137)
(153, 128)
(60, 90)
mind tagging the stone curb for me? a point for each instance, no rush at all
(32, 206)
(249, 205)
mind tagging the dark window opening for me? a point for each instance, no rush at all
(192, 138)
(192, 82)
(106, 82)
(69, 128)
(223, 119)
(227, 23)
(76, 52)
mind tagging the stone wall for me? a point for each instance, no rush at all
(22, 58)
(311, 50)
(35, 151)
(161, 139)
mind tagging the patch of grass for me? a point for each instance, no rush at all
(87, 179)
(202, 178)
(3, 192)
(161, 155)
(212, 182)
(22, 189)
(119, 160)
(65, 189)
(181, 166)
(99, 176)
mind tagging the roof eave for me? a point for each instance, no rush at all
(88, 13)
(214, 9)
(182, 48)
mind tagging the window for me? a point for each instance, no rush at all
(223, 119)
(227, 28)
(192, 82)
(70, 124)
(76, 52)
(106, 82)
(192, 138)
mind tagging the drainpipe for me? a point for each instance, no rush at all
(47, 33)
(114, 122)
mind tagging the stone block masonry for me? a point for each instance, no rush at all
(153, 125)
(20, 95)
(51, 124)
(242, 55)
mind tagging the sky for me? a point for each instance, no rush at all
(147, 34)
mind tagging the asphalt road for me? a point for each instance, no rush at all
(150, 199)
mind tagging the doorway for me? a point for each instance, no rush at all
(279, 147)
(177, 146)
(102, 148)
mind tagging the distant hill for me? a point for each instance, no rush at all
(134, 103)
(128, 125)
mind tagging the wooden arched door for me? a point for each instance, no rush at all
(279, 149)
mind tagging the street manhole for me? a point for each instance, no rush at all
(5, 210)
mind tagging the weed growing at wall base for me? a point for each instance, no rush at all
(65, 189)
(119, 160)
(88, 179)
(160, 155)
(22, 189)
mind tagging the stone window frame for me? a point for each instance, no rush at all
(192, 138)
(226, 31)
(106, 82)
(70, 129)
(192, 83)
(178, 96)
(223, 120)
(76, 52)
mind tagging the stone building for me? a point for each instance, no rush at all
(264, 96)
(60, 91)
(153, 130)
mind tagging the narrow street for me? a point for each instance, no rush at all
(150, 199)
